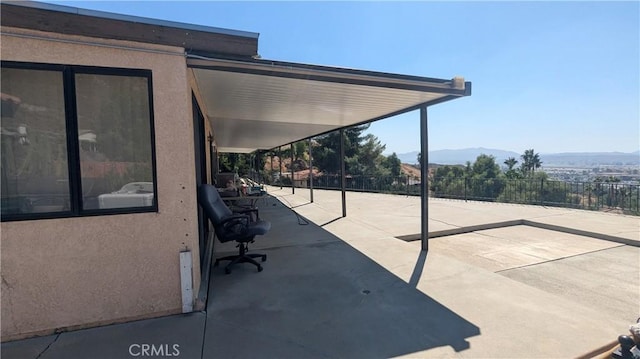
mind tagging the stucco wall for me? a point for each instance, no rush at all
(76, 272)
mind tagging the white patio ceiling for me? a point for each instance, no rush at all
(263, 104)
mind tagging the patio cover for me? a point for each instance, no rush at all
(260, 104)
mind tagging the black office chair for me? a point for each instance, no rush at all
(230, 226)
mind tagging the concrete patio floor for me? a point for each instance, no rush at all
(336, 287)
(517, 291)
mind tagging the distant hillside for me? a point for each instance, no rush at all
(414, 172)
(409, 157)
(590, 159)
(571, 159)
(410, 170)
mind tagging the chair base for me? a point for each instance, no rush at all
(243, 257)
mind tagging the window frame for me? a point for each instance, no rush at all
(73, 146)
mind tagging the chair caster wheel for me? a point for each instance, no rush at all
(259, 268)
(264, 258)
(227, 271)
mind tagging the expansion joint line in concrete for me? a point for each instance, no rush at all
(523, 222)
(581, 232)
(49, 346)
(558, 259)
(443, 222)
(204, 336)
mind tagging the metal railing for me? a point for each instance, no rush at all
(598, 196)
(363, 183)
(622, 197)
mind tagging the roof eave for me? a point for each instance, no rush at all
(73, 21)
(253, 74)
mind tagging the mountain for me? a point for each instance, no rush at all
(460, 157)
(576, 159)
(570, 159)
(409, 157)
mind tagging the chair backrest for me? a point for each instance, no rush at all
(212, 204)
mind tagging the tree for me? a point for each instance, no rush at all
(485, 167)
(235, 162)
(530, 162)
(511, 173)
(612, 179)
(480, 180)
(299, 156)
(327, 155)
(536, 162)
(369, 159)
(510, 162)
(394, 164)
(467, 169)
(299, 149)
(536, 188)
(449, 181)
(486, 178)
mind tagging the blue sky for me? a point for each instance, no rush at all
(552, 76)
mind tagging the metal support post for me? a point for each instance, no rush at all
(293, 186)
(343, 180)
(280, 165)
(310, 174)
(424, 179)
(211, 172)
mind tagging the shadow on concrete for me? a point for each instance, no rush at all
(331, 221)
(321, 298)
(300, 205)
(417, 270)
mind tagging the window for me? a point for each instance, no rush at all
(35, 176)
(76, 141)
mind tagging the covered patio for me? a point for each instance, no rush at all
(260, 105)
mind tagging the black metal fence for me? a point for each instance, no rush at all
(624, 198)
(386, 184)
(584, 195)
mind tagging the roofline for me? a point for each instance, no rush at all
(350, 71)
(455, 86)
(129, 18)
(450, 89)
(276, 66)
(203, 40)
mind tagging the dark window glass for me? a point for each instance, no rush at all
(34, 143)
(114, 141)
(75, 141)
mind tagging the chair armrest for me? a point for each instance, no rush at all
(231, 223)
(247, 211)
(234, 216)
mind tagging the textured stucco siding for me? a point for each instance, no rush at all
(79, 272)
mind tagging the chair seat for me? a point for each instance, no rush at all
(246, 233)
(258, 228)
